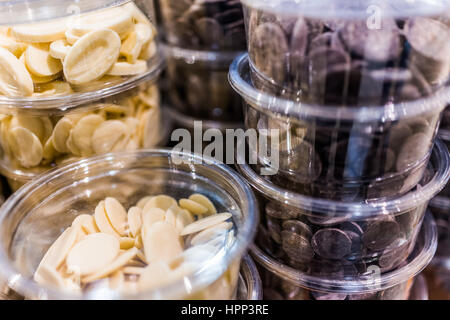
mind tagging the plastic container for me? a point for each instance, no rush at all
(347, 53)
(198, 84)
(73, 49)
(282, 282)
(346, 154)
(35, 141)
(326, 237)
(34, 216)
(249, 286)
(205, 25)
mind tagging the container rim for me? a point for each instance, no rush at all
(79, 101)
(251, 277)
(385, 281)
(14, 12)
(361, 209)
(321, 8)
(28, 288)
(192, 56)
(268, 104)
(188, 121)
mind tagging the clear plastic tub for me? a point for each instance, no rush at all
(327, 237)
(282, 282)
(37, 214)
(349, 53)
(345, 154)
(206, 25)
(73, 49)
(197, 84)
(34, 141)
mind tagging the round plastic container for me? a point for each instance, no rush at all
(345, 154)
(35, 141)
(77, 50)
(249, 286)
(284, 283)
(198, 84)
(349, 53)
(205, 25)
(328, 237)
(37, 214)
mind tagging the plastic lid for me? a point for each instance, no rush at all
(29, 11)
(424, 251)
(350, 9)
(240, 80)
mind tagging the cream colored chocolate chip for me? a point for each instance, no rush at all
(87, 223)
(128, 69)
(48, 276)
(135, 220)
(15, 80)
(54, 88)
(59, 250)
(71, 38)
(92, 56)
(61, 134)
(204, 223)
(151, 216)
(83, 131)
(115, 265)
(204, 201)
(71, 145)
(161, 242)
(117, 215)
(59, 49)
(26, 147)
(102, 221)
(93, 254)
(115, 19)
(171, 215)
(142, 202)
(219, 230)
(161, 201)
(148, 51)
(41, 32)
(49, 153)
(155, 275)
(184, 218)
(193, 207)
(33, 124)
(126, 243)
(13, 46)
(110, 136)
(40, 62)
(132, 47)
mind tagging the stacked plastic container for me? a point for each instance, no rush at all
(77, 80)
(439, 270)
(201, 39)
(350, 96)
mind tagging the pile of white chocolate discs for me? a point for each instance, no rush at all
(68, 54)
(157, 242)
